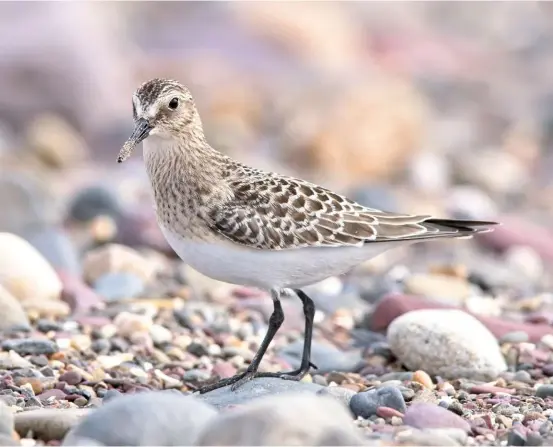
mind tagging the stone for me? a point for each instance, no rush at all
(48, 423)
(129, 324)
(395, 305)
(12, 360)
(13, 314)
(544, 391)
(434, 437)
(423, 378)
(56, 246)
(160, 334)
(514, 337)
(6, 420)
(80, 298)
(423, 415)
(339, 393)
(327, 358)
(93, 202)
(447, 343)
(115, 286)
(265, 386)
(53, 393)
(32, 346)
(366, 403)
(148, 418)
(445, 288)
(24, 272)
(71, 377)
(289, 419)
(115, 258)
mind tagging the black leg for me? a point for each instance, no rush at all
(298, 374)
(275, 321)
(309, 312)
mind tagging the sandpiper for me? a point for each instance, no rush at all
(245, 226)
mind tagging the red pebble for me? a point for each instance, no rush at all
(387, 412)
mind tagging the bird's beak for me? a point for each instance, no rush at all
(141, 131)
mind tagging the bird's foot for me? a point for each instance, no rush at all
(238, 380)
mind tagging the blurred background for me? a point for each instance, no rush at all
(426, 107)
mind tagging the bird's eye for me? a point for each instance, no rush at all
(174, 103)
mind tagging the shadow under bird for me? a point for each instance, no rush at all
(245, 226)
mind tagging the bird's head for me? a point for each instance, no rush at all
(163, 108)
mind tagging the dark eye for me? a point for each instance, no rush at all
(174, 103)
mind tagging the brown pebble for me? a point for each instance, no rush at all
(71, 377)
(81, 401)
(423, 378)
(387, 412)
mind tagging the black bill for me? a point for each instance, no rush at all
(141, 131)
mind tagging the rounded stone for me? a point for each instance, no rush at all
(366, 403)
(447, 343)
(24, 272)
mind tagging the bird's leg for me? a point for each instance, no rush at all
(309, 312)
(275, 321)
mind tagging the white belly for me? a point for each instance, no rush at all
(268, 269)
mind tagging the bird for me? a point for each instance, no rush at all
(255, 228)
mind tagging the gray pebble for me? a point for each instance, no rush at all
(339, 393)
(149, 418)
(256, 388)
(364, 404)
(516, 438)
(289, 419)
(523, 376)
(33, 346)
(514, 337)
(544, 391)
(116, 286)
(112, 394)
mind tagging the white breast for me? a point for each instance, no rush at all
(266, 269)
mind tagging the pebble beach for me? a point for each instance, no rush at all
(106, 335)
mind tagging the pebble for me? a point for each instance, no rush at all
(24, 272)
(160, 335)
(547, 340)
(148, 418)
(443, 288)
(115, 286)
(129, 324)
(71, 377)
(56, 246)
(366, 403)
(327, 358)
(32, 346)
(13, 314)
(544, 391)
(283, 420)
(447, 343)
(93, 202)
(522, 376)
(6, 419)
(423, 378)
(339, 393)
(48, 423)
(115, 258)
(423, 415)
(514, 337)
(223, 397)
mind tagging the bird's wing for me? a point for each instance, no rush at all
(274, 212)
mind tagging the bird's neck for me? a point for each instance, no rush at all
(185, 172)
